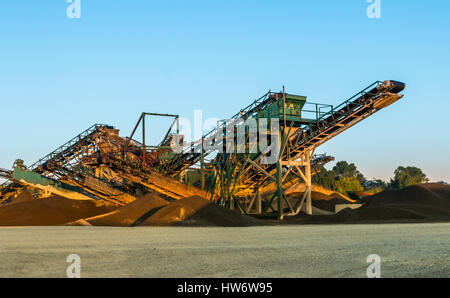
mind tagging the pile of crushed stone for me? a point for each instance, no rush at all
(149, 210)
(129, 215)
(197, 211)
(152, 210)
(54, 210)
(318, 193)
(425, 202)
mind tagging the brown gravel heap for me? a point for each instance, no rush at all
(197, 211)
(421, 203)
(54, 210)
(128, 215)
(427, 201)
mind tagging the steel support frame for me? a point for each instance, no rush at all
(228, 174)
(305, 161)
(142, 120)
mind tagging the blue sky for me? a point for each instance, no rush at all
(58, 76)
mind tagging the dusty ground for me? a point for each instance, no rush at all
(406, 250)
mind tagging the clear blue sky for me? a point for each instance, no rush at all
(59, 76)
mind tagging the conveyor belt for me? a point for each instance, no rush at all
(309, 136)
(4, 173)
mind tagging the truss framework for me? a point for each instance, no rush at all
(108, 167)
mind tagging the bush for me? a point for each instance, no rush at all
(346, 184)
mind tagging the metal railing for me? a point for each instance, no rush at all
(65, 146)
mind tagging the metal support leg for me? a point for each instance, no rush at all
(308, 183)
(258, 202)
(279, 191)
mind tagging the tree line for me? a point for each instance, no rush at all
(345, 177)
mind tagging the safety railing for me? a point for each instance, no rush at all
(65, 146)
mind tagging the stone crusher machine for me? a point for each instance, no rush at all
(251, 175)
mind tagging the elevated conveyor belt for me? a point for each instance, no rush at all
(137, 172)
(307, 137)
(72, 150)
(316, 132)
(191, 152)
(64, 157)
(65, 170)
(4, 173)
(365, 103)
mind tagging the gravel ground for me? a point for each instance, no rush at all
(406, 250)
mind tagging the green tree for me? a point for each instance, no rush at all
(325, 178)
(374, 185)
(345, 184)
(344, 169)
(406, 176)
(330, 178)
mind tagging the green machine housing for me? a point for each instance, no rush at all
(293, 108)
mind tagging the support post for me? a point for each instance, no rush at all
(279, 178)
(182, 174)
(308, 183)
(202, 166)
(143, 138)
(279, 190)
(258, 202)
